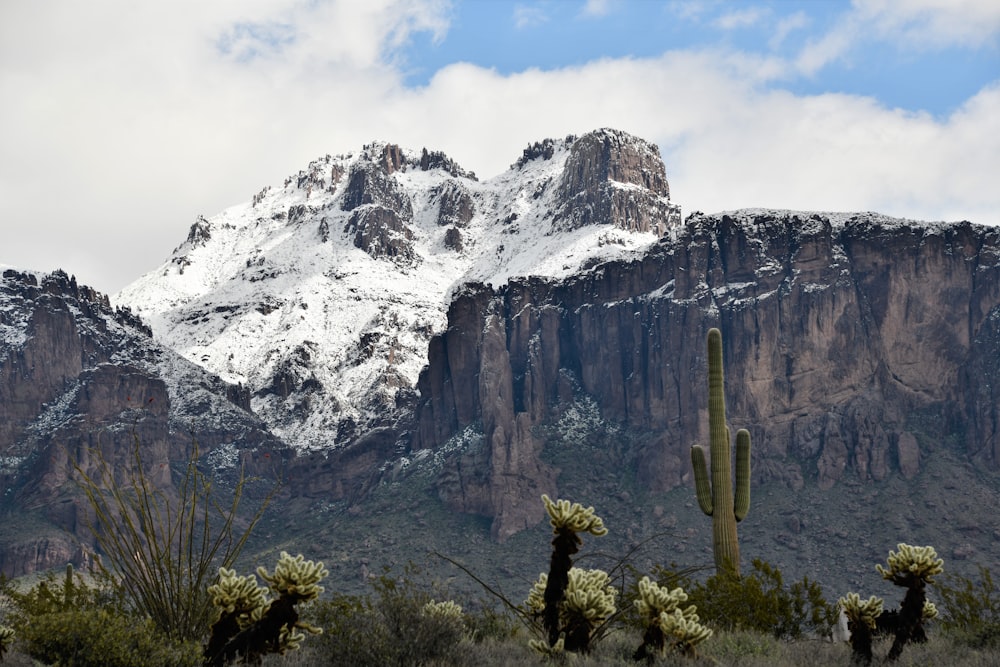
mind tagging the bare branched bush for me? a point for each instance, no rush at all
(165, 550)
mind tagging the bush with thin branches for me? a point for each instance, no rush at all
(165, 550)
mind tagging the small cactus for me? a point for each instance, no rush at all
(567, 520)
(6, 639)
(862, 618)
(912, 568)
(250, 625)
(861, 613)
(588, 601)
(447, 609)
(660, 608)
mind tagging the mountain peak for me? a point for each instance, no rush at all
(321, 295)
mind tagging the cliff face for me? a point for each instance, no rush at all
(78, 377)
(842, 337)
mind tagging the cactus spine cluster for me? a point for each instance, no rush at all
(715, 494)
(249, 624)
(6, 639)
(660, 608)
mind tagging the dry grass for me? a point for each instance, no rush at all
(724, 650)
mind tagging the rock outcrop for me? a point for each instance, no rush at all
(843, 336)
(610, 175)
(78, 377)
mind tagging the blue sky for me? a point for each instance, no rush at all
(512, 37)
(123, 121)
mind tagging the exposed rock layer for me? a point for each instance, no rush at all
(80, 381)
(840, 341)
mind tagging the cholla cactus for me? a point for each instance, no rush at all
(567, 519)
(589, 597)
(249, 624)
(447, 610)
(911, 562)
(654, 599)
(684, 629)
(6, 639)
(240, 597)
(861, 613)
(660, 607)
(929, 612)
(295, 578)
(911, 567)
(536, 596)
(574, 517)
(588, 601)
(862, 618)
(554, 652)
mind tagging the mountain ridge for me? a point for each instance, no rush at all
(382, 238)
(393, 338)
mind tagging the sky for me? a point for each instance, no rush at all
(121, 122)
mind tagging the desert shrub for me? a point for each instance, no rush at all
(67, 592)
(99, 638)
(68, 621)
(165, 550)
(970, 610)
(486, 623)
(759, 601)
(733, 647)
(398, 624)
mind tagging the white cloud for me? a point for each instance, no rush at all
(123, 121)
(728, 143)
(911, 25)
(526, 16)
(786, 26)
(596, 8)
(742, 18)
(934, 23)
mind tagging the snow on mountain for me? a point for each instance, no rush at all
(320, 295)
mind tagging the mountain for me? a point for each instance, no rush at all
(78, 375)
(320, 296)
(849, 340)
(426, 354)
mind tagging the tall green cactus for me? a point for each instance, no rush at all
(715, 496)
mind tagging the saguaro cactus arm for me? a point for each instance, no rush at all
(742, 502)
(702, 487)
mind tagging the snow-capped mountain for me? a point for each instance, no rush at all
(320, 294)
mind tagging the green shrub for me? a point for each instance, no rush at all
(970, 610)
(399, 624)
(757, 602)
(67, 621)
(101, 639)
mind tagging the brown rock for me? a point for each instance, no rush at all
(826, 346)
(908, 453)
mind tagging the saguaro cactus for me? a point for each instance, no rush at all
(715, 495)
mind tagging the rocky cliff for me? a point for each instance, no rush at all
(844, 336)
(78, 377)
(385, 313)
